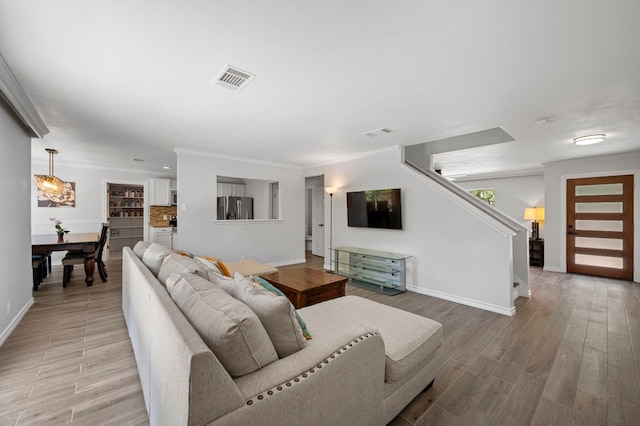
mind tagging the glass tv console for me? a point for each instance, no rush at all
(380, 271)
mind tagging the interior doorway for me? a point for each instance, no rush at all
(600, 226)
(126, 213)
(314, 215)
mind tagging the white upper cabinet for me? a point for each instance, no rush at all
(231, 190)
(160, 192)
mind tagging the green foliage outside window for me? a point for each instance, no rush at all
(486, 195)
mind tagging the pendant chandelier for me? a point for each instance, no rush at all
(49, 183)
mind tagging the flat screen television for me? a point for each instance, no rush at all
(380, 208)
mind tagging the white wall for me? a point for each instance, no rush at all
(556, 175)
(277, 242)
(91, 201)
(448, 243)
(15, 262)
(513, 195)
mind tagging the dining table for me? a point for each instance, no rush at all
(86, 242)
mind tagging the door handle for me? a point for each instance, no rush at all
(321, 225)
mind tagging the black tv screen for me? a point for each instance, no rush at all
(380, 208)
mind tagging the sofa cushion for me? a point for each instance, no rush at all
(140, 248)
(153, 257)
(276, 314)
(176, 264)
(275, 290)
(410, 340)
(230, 328)
(250, 267)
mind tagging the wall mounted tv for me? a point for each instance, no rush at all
(380, 208)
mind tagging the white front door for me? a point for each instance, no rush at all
(317, 221)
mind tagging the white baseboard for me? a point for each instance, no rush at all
(526, 293)
(554, 269)
(14, 323)
(464, 301)
(288, 262)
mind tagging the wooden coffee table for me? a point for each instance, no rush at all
(306, 286)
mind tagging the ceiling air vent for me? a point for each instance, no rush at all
(233, 78)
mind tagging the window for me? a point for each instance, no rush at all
(247, 199)
(487, 195)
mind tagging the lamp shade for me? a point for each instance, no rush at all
(49, 183)
(539, 213)
(530, 213)
(331, 190)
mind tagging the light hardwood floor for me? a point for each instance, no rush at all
(571, 355)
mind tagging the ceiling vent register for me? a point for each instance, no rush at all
(233, 78)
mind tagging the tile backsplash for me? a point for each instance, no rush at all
(156, 214)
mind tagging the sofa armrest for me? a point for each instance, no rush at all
(341, 387)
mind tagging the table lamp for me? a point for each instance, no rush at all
(535, 214)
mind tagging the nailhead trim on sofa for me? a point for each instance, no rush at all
(290, 383)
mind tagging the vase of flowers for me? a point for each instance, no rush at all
(59, 229)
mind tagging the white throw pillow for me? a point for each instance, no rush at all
(221, 281)
(153, 257)
(230, 328)
(176, 264)
(140, 248)
(276, 314)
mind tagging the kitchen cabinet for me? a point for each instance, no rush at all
(160, 192)
(163, 235)
(173, 192)
(231, 189)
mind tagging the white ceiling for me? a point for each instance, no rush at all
(116, 80)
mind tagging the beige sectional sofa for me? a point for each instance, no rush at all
(364, 363)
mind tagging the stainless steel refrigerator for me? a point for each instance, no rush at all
(234, 208)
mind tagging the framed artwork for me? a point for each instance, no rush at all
(67, 198)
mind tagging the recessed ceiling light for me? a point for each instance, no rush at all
(589, 139)
(137, 159)
(166, 167)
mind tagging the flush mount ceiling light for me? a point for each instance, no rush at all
(374, 133)
(166, 167)
(589, 139)
(49, 183)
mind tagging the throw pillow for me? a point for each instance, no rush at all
(209, 264)
(153, 257)
(230, 328)
(221, 266)
(217, 279)
(140, 248)
(184, 253)
(176, 264)
(275, 290)
(275, 313)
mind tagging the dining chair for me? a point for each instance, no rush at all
(39, 267)
(77, 258)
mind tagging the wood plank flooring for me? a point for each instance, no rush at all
(571, 355)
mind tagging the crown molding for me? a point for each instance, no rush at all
(15, 96)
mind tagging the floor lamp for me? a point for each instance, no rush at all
(331, 190)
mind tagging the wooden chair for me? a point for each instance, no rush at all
(77, 258)
(39, 268)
